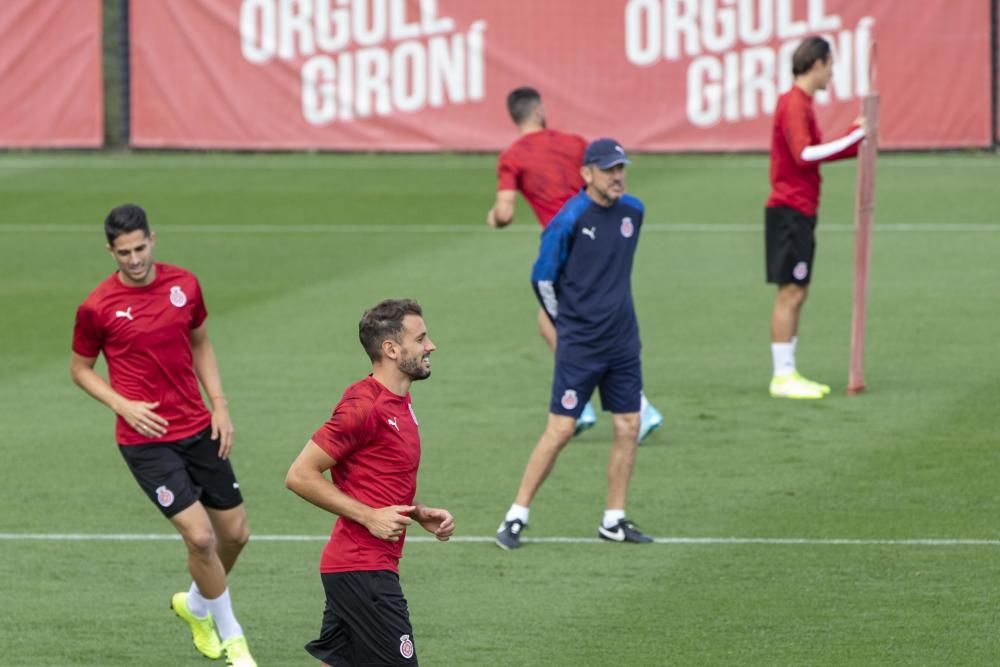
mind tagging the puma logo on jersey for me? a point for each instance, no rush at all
(392, 423)
(591, 232)
(125, 313)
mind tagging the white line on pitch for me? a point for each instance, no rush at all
(476, 539)
(74, 228)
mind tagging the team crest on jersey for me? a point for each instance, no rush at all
(413, 414)
(800, 271)
(569, 399)
(164, 496)
(628, 229)
(177, 296)
(406, 646)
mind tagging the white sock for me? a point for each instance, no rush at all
(517, 512)
(783, 356)
(795, 342)
(222, 612)
(612, 517)
(196, 602)
(643, 403)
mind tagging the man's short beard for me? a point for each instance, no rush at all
(414, 368)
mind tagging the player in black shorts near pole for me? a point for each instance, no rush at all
(149, 321)
(790, 214)
(371, 446)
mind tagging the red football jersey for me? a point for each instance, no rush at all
(144, 333)
(374, 437)
(545, 167)
(795, 181)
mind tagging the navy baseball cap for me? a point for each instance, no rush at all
(605, 153)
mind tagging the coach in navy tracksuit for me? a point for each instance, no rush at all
(583, 278)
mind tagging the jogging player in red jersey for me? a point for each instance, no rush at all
(797, 149)
(544, 165)
(148, 319)
(371, 446)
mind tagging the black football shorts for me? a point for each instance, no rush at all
(790, 245)
(176, 475)
(365, 622)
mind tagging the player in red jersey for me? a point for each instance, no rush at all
(148, 319)
(544, 165)
(797, 149)
(371, 446)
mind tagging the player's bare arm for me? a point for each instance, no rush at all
(862, 122)
(206, 367)
(502, 213)
(306, 479)
(434, 520)
(139, 415)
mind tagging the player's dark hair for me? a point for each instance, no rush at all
(384, 320)
(123, 220)
(808, 52)
(521, 102)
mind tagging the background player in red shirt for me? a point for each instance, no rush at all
(149, 321)
(797, 149)
(371, 446)
(544, 165)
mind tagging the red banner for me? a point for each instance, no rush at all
(660, 75)
(50, 74)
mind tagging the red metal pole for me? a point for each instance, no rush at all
(863, 214)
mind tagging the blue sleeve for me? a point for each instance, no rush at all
(636, 203)
(552, 258)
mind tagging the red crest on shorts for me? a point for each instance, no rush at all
(406, 646)
(569, 399)
(164, 496)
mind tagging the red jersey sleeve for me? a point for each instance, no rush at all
(198, 311)
(508, 173)
(347, 429)
(796, 129)
(88, 335)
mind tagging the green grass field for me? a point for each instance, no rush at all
(291, 249)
